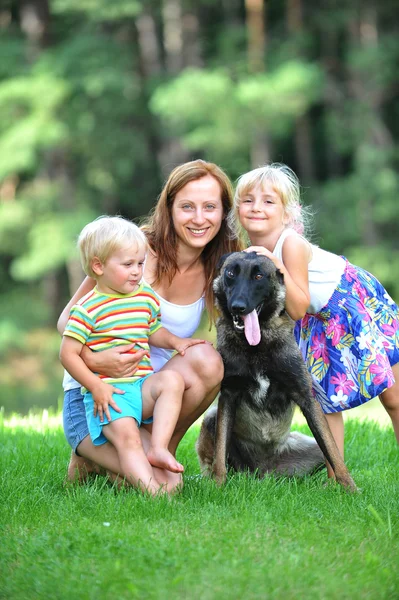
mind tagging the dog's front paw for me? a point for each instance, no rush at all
(220, 476)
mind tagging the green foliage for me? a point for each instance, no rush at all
(222, 112)
(95, 114)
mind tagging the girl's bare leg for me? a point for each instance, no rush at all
(162, 396)
(390, 401)
(124, 435)
(336, 423)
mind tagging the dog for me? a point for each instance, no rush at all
(265, 378)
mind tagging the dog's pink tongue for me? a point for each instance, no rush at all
(251, 327)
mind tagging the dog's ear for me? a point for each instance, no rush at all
(280, 276)
(222, 260)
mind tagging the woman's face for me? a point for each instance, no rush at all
(197, 212)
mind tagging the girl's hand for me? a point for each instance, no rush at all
(185, 343)
(261, 250)
(115, 362)
(102, 396)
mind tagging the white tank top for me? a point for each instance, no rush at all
(325, 271)
(181, 320)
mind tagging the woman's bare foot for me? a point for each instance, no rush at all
(79, 468)
(162, 458)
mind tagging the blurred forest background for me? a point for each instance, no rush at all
(100, 99)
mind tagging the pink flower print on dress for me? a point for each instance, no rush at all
(363, 312)
(360, 291)
(350, 273)
(390, 329)
(335, 331)
(342, 383)
(382, 371)
(319, 348)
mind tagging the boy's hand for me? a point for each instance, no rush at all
(184, 343)
(102, 396)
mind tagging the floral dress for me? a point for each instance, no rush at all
(351, 343)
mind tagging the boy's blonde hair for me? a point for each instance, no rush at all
(106, 235)
(284, 182)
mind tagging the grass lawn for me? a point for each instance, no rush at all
(270, 539)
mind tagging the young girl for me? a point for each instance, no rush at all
(347, 324)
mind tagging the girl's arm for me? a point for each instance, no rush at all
(115, 362)
(296, 257)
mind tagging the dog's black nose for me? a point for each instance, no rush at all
(238, 307)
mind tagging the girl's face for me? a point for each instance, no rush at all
(197, 212)
(261, 211)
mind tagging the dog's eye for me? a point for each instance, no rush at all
(258, 276)
(230, 273)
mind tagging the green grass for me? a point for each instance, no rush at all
(274, 539)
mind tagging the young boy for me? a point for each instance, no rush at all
(123, 309)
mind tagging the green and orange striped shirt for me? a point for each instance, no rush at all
(102, 321)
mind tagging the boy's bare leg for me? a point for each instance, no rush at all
(124, 435)
(162, 395)
(202, 370)
(336, 424)
(172, 482)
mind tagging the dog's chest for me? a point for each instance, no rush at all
(259, 426)
(260, 388)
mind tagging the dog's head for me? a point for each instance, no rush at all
(250, 290)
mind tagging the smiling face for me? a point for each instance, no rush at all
(122, 271)
(261, 211)
(197, 212)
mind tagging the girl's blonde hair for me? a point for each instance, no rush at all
(285, 183)
(106, 235)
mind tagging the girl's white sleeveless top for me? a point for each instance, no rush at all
(181, 320)
(325, 271)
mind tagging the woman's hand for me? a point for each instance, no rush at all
(116, 362)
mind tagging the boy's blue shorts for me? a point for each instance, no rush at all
(130, 403)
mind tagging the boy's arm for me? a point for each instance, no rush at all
(162, 338)
(102, 392)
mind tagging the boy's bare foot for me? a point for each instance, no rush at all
(162, 458)
(79, 468)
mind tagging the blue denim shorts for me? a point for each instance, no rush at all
(74, 416)
(130, 403)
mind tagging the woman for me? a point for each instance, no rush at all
(187, 233)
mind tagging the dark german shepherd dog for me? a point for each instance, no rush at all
(265, 377)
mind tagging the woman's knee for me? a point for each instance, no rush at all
(207, 364)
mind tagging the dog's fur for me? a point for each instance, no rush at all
(250, 429)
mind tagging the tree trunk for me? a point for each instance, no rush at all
(303, 134)
(256, 47)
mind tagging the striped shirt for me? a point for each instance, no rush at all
(102, 321)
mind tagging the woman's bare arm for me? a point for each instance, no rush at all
(84, 288)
